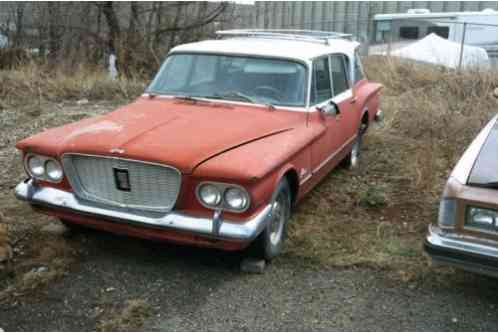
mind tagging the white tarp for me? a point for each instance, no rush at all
(436, 50)
(3, 41)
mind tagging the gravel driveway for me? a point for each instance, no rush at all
(193, 289)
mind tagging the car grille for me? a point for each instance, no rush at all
(152, 187)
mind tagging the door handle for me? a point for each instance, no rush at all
(353, 100)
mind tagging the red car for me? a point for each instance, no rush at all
(228, 137)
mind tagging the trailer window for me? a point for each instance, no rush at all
(408, 32)
(443, 32)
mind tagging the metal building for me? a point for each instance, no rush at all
(354, 17)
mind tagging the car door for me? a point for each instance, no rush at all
(343, 97)
(326, 146)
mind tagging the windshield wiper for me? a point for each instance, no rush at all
(244, 97)
(239, 95)
(189, 98)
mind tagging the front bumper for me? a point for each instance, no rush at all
(216, 227)
(464, 252)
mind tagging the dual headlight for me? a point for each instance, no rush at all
(223, 196)
(43, 168)
(482, 218)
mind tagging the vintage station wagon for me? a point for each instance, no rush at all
(466, 233)
(229, 135)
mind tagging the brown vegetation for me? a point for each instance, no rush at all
(131, 317)
(378, 216)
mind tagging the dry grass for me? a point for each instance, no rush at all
(34, 84)
(131, 317)
(378, 215)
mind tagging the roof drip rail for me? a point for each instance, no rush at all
(312, 36)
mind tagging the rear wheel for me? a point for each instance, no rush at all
(269, 243)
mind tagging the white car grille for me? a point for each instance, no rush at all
(148, 186)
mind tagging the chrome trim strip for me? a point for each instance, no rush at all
(211, 227)
(461, 243)
(75, 182)
(305, 179)
(334, 154)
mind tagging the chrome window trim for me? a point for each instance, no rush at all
(71, 171)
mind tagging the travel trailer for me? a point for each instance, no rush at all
(392, 31)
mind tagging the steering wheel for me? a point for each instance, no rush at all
(268, 91)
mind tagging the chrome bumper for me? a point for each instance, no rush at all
(463, 252)
(215, 227)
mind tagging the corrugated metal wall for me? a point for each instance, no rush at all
(343, 16)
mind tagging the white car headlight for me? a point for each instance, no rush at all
(210, 195)
(236, 198)
(482, 218)
(36, 166)
(53, 170)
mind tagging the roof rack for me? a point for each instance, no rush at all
(313, 36)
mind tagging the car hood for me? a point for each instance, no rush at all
(179, 133)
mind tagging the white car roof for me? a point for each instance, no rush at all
(302, 51)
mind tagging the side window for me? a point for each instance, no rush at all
(358, 68)
(320, 85)
(339, 76)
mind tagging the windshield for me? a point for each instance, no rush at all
(485, 170)
(246, 79)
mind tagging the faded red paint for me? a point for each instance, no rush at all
(252, 146)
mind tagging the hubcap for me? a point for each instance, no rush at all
(277, 219)
(355, 153)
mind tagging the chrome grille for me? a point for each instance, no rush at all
(154, 187)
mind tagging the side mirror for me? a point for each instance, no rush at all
(330, 109)
(495, 93)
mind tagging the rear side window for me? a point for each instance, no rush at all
(358, 68)
(339, 76)
(321, 89)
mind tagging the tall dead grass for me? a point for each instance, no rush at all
(32, 83)
(432, 115)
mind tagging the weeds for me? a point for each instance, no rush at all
(34, 84)
(379, 217)
(132, 316)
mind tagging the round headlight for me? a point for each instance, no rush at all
(236, 198)
(210, 195)
(35, 166)
(54, 170)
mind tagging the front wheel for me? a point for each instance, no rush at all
(269, 243)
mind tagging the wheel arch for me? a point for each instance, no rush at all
(289, 172)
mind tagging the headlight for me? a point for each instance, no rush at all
(36, 166)
(447, 212)
(210, 195)
(482, 218)
(53, 170)
(236, 198)
(44, 168)
(223, 196)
